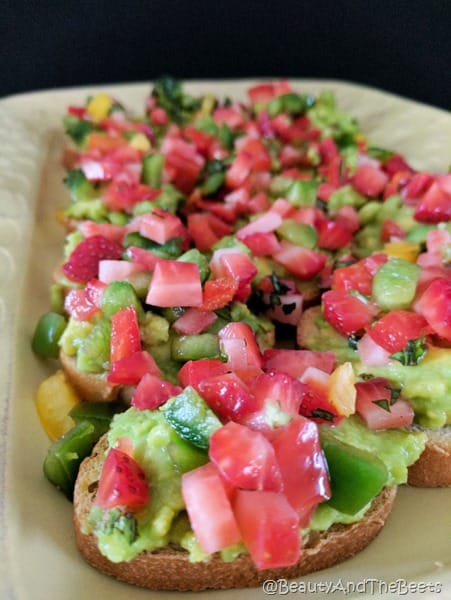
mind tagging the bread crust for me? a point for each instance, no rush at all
(433, 468)
(170, 569)
(92, 387)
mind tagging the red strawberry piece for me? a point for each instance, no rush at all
(83, 263)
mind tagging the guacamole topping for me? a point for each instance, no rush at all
(165, 456)
(427, 385)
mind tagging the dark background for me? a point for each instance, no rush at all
(400, 46)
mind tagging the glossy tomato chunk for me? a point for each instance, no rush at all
(394, 330)
(152, 391)
(125, 336)
(346, 313)
(269, 528)
(175, 283)
(374, 405)
(209, 509)
(245, 458)
(228, 396)
(129, 370)
(435, 306)
(303, 466)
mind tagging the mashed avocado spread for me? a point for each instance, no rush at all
(427, 385)
(164, 456)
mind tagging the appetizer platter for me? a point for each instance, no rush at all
(254, 292)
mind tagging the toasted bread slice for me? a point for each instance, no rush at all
(92, 387)
(433, 468)
(170, 569)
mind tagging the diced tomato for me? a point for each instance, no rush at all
(158, 116)
(282, 207)
(116, 270)
(374, 405)
(295, 362)
(228, 396)
(279, 388)
(79, 306)
(369, 180)
(245, 458)
(417, 185)
(194, 321)
(263, 92)
(109, 231)
(122, 483)
(348, 217)
(303, 466)
(130, 369)
(193, 372)
(125, 336)
(122, 195)
(231, 263)
(218, 293)
(160, 226)
(303, 262)
(238, 200)
(262, 244)
(435, 306)
(258, 203)
(396, 163)
(239, 170)
(346, 313)
(395, 329)
(434, 206)
(175, 283)
(145, 259)
(94, 291)
(97, 140)
(371, 354)
(242, 331)
(332, 235)
(373, 262)
(266, 223)
(315, 403)
(328, 150)
(209, 509)
(354, 277)
(230, 115)
(269, 527)
(201, 231)
(152, 392)
(201, 139)
(391, 230)
(183, 162)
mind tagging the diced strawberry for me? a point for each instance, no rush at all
(370, 180)
(83, 263)
(152, 392)
(130, 369)
(394, 330)
(194, 321)
(346, 313)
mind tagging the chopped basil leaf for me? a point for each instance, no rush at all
(412, 354)
(321, 413)
(383, 403)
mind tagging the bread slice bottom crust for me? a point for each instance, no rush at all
(170, 568)
(433, 468)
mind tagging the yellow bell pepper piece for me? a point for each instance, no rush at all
(341, 389)
(99, 107)
(55, 397)
(140, 142)
(406, 250)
